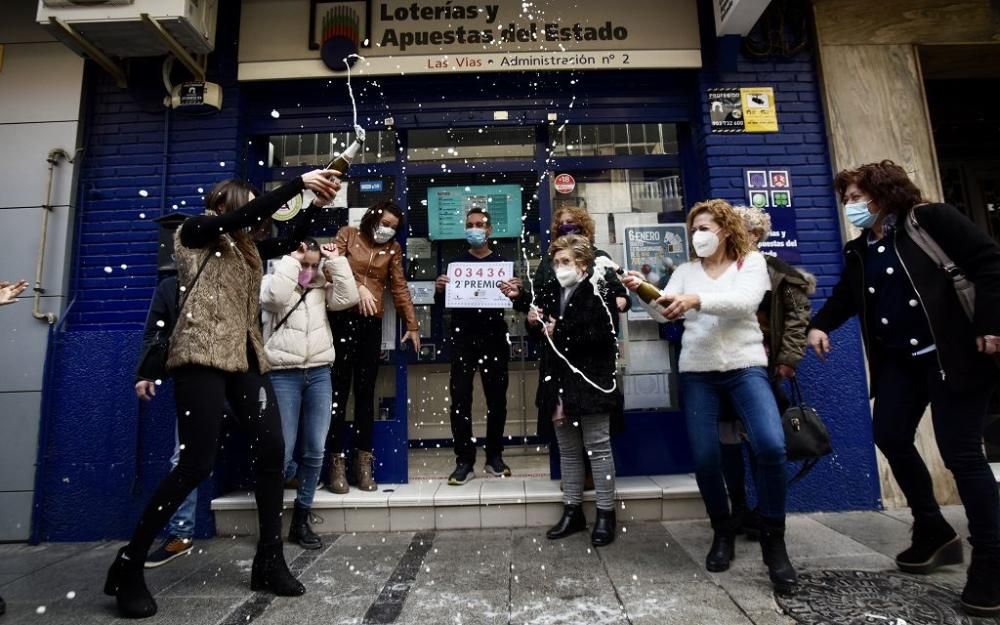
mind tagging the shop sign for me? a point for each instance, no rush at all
(742, 109)
(771, 190)
(477, 285)
(565, 183)
(311, 38)
(370, 186)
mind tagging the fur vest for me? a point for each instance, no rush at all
(221, 312)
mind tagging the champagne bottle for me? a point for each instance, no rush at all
(343, 160)
(647, 291)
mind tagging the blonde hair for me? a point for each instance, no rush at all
(575, 244)
(738, 243)
(580, 217)
(756, 220)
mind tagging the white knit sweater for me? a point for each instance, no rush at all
(724, 334)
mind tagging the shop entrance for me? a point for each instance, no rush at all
(625, 175)
(960, 101)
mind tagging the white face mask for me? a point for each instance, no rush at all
(567, 276)
(382, 234)
(705, 243)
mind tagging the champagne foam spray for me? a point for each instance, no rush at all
(358, 130)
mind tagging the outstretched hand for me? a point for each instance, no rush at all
(9, 291)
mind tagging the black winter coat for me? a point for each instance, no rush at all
(162, 316)
(584, 334)
(962, 366)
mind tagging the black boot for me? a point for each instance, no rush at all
(604, 528)
(750, 524)
(270, 572)
(572, 521)
(127, 584)
(934, 544)
(723, 547)
(300, 532)
(772, 548)
(981, 596)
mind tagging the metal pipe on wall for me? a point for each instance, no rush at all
(53, 159)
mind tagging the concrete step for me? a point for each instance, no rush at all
(482, 503)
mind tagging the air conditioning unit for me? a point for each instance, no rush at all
(118, 28)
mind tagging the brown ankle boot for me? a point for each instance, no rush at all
(363, 470)
(337, 483)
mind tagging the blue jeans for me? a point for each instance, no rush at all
(182, 523)
(305, 399)
(750, 394)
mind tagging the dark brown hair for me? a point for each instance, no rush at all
(885, 183)
(475, 210)
(374, 214)
(230, 195)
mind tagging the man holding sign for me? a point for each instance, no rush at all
(478, 286)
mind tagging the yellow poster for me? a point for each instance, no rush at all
(759, 113)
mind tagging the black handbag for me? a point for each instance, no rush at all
(806, 437)
(153, 360)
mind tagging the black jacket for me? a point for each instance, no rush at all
(962, 366)
(162, 315)
(584, 334)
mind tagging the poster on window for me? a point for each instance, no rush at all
(448, 206)
(655, 251)
(477, 285)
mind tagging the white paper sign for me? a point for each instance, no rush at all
(477, 285)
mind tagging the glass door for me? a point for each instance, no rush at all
(493, 168)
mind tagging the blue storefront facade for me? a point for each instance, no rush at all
(101, 454)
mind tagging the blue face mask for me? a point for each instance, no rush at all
(475, 236)
(857, 213)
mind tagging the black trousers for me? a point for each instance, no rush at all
(490, 356)
(201, 394)
(358, 341)
(906, 385)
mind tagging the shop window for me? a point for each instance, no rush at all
(648, 203)
(471, 144)
(577, 140)
(317, 149)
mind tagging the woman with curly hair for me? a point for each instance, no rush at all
(723, 358)
(924, 349)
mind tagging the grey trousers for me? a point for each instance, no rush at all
(590, 432)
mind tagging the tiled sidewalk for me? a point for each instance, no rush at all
(653, 575)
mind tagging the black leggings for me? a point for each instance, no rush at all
(358, 342)
(904, 388)
(202, 393)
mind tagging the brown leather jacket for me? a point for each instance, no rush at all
(377, 266)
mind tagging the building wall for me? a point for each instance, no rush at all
(837, 388)
(96, 444)
(876, 109)
(40, 85)
(102, 453)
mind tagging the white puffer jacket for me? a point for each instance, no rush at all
(304, 340)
